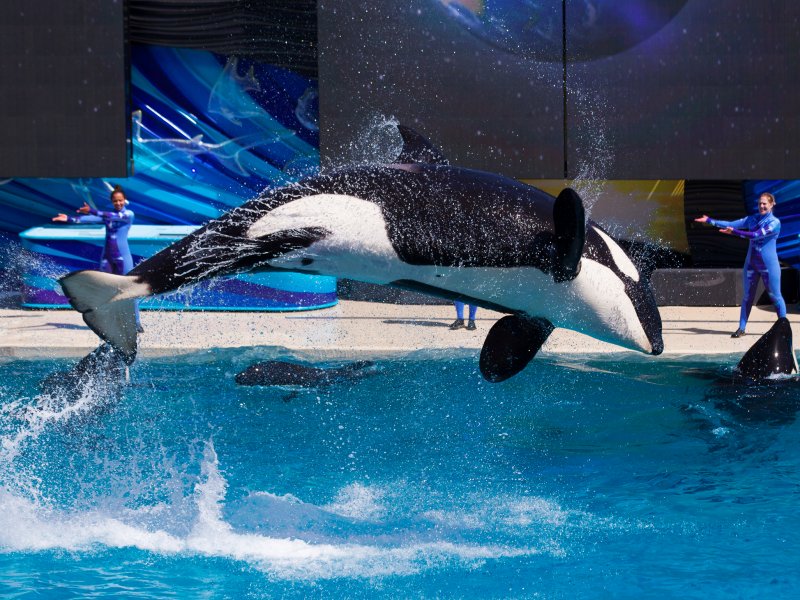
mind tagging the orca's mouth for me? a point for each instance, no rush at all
(644, 302)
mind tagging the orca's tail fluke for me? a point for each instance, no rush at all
(108, 305)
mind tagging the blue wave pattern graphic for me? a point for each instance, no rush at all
(55, 251)
(787, 209)
(208, 132)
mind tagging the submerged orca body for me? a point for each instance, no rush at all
(282, 373)
(760, 389)
(422, 225)
(102, 370)
(772, 354)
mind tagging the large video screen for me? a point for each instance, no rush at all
(63, 107)
(710, 95)
(437, 67)
(596, 89)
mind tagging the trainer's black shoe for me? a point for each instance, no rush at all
(139, 329)
(738, 333)
(457, 324)
(471, 325)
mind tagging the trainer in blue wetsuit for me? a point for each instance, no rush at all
(459, 322)
(762, 256)
(116, 257)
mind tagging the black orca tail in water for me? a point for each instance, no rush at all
(108, 305)
(772, 354)
(103, 367)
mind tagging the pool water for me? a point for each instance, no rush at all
(583, 477)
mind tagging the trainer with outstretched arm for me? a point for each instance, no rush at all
(762, 256)
(117, 258)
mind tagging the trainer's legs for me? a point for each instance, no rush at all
(772, 281)
(750, 279)
(459, 309)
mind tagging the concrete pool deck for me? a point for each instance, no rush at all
(352, 330)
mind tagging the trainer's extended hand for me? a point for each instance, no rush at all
(61, 218)
(703, 219)
(84, 210)
(727, 230)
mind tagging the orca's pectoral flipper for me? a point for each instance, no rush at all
(511, 344)
(417, 149)
(569, 221)
(772, 354)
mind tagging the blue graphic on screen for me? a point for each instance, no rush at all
(534, 28)
(208, 133)
(787, 209)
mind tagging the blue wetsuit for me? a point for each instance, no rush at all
(117, 257)
(473, 310)
(762, 260)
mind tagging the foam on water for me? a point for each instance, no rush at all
(31, 522)
(30, 525)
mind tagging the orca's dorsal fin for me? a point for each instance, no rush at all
(569, 223)
(511, 344)
(772, 354)
(417, 149)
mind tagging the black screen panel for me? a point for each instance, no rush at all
(475, 92)
(63, 106)
(653, 89)
(710, 95)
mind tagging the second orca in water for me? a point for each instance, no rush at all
(97, 381)
(283, 373)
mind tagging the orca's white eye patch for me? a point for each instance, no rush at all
(621, 259)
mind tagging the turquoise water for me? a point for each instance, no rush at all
(583, 477)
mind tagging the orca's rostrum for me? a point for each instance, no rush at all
(419, 224)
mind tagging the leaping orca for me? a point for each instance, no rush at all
(418, 224)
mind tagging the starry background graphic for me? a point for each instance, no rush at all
(704, 90)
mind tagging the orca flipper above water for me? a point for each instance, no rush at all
(511, 344)
(772, 354)
(569, 220)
